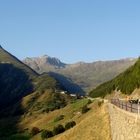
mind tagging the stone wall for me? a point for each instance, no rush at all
(124, 125)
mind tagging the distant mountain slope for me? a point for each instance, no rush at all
(85, 75)
(126, 82)
(67, 84)
(90, 75)
(18, 80)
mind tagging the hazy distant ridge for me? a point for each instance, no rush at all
(85, 75)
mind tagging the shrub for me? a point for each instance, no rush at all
(45, 110)
(58, 129)
(59, 118)
(70, 125)
(100, 103)
(56, 102)
(46, 134)
(85, 109)
(34, 131)
(89, 101)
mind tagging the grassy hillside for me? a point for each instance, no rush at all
(36, 117)
(126, 82)
(24, 93)
(93, 125)
(18, 80)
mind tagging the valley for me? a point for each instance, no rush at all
(80, 77)
(42, 105)
(69, 70)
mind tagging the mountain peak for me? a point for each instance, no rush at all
(44, 61)
(44, 56)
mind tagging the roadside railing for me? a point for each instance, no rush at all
(134, 108)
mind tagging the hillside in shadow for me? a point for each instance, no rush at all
(14, 85)
(67, 83)
(21, 96)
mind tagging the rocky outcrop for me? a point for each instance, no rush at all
(43, 62)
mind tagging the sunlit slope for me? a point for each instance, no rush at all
(126, 82)
(93, 125)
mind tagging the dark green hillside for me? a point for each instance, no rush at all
(126, 82)
(18, 80)
(24, 93)
(15, 79)
(14, 84)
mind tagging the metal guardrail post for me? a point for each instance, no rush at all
(119, 104)
(138, 107)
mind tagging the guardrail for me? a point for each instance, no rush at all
(134, 108)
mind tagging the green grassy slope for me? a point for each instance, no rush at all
(126, 82)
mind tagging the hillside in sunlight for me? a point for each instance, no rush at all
(126, 82)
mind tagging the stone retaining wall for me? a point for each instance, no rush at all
(124, 125)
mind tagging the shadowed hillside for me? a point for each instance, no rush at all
(18, 80)
(67, 83)
(14, 84)
(23, 93)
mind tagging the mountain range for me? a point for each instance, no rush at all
(80, 77)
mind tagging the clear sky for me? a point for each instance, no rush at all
(72, 30)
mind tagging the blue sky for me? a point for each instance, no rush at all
(72, 30)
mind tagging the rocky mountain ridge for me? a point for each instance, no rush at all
(85, 75)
